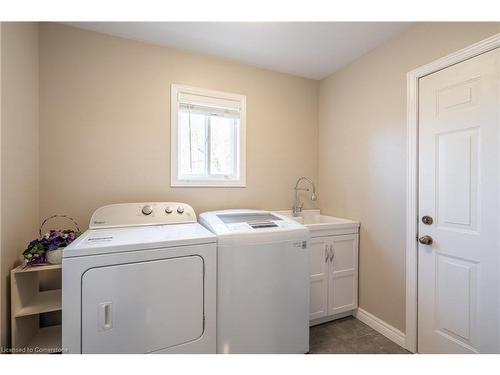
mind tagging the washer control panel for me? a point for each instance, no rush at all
(138, 214)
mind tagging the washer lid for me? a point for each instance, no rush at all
(113, 240)
(252, 225)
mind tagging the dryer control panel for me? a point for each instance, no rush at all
(139, 214)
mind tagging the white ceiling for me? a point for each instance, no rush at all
(307, 49)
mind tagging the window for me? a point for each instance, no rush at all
(208, 138)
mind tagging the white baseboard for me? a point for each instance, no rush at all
(381, 327)
(329, 318)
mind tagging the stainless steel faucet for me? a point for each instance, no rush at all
(297, 205)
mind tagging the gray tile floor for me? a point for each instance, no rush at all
(350, 336)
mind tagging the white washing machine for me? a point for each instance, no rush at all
(262, 282)
(142, 279)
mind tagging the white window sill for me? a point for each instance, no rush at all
(208, 184)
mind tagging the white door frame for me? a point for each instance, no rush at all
(412, 173)
(3, 342)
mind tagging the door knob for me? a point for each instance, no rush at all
(425, 240)
(427, 220)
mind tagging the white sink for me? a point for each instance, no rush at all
(314, 220)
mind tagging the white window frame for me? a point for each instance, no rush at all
(174, 162)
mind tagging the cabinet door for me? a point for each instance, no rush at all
(318, 306)
(343, 274)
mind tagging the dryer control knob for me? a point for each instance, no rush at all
(147, 210)
(168, 210)
(180, 209)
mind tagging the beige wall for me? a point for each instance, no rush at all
(105, 123)
(19, 151)
(362, 151)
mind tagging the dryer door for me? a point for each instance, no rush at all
(142, 307)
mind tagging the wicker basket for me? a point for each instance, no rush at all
(53, 217)
(55, 256)
(38, 252)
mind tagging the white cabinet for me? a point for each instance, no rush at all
(333, 276)
(333, 262)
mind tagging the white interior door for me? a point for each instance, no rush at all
(459, 189)
(318, 275)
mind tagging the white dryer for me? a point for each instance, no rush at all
(262, 282)
(142, 279)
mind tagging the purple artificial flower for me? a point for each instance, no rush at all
(54, 239)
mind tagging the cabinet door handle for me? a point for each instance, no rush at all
(327, 254)
(332, 253)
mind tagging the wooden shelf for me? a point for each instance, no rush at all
(48, 338)
(42, 302)
(36, 303)
(47, 267)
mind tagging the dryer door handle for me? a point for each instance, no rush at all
(106, 317)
